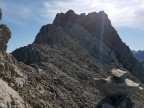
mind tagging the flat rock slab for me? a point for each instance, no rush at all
(120, 74)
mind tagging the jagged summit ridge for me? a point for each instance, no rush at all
(91, 21)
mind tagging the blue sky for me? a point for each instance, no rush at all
(25, 18)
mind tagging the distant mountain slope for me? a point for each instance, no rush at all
(139, 55)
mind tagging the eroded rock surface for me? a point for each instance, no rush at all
(9, 98)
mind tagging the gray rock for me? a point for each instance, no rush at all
(2, 105)
(119, 74)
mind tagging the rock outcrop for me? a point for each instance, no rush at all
(116, 88)
(5, 35)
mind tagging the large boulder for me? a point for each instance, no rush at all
(119, 74)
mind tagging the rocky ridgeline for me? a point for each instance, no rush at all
(116, 88)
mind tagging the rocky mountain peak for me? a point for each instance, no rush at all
(89, 21)
(70, 12)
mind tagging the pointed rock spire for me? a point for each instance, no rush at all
(5, 35)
